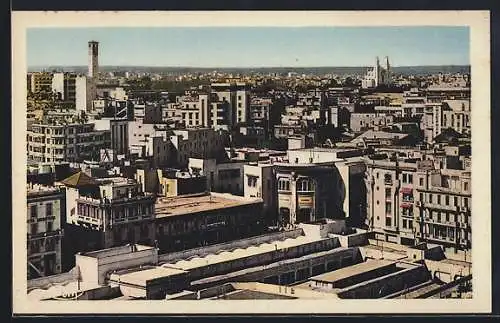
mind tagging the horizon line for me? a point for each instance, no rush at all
(267, 66)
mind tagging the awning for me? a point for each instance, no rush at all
(406, 190)
(406, 206)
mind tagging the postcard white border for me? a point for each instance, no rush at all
(479, 23)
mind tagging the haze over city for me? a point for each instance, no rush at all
(250, 47)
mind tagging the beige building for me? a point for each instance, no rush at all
(364, 121)
(223, 177)
(454, 114)
(422, 201)
(443, 208)
(45, 213)
(41, 82)
(65, 142)
(102, 213)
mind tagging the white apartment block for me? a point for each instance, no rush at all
(454, 114)
(85, 93)
(237, 95)
(259, 181)
(193, 110)
(64, 85)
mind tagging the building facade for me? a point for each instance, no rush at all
(66, 142)
(46, 213)
(308, 192)
(419, 202)
(41, 82)
(117, 212)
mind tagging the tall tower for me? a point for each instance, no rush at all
(377, 72)
(93, 59)
(387, 70)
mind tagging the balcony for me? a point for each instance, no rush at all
(36, 143)
(440, 206)
(87, 219)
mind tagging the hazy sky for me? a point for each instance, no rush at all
(251, 47)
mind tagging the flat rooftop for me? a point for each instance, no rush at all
(223, 256)
(141, 276)
(38, 190)
(116, 251)
(115, 181)
(354, 270)
(187, 204)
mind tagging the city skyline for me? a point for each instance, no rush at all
(236, 46)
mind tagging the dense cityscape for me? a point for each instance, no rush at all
(270, 183)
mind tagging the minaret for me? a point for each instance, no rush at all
(93, 59)
(377, 71)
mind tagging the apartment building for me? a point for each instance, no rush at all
(119, 133)
(85, 93)
(308, 192)
(66, 142)
(364, 121)
(204, 143)
(64, 86)
(237, 94)
(223, 177)
(193, 110)
(173, 147)
(147, 112)
(443, 208)
(448, 114)
(221, 116)
(419, 201)
(46, 213)
(107, 212)
(41, 82)
(173, 182)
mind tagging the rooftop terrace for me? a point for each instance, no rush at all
(193, 203)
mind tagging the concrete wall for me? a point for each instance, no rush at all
(88, 267)
(355, 239)
(379, 287)
(447, 272)
(94, 269)
(203, 251)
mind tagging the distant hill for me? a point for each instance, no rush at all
(339, 70)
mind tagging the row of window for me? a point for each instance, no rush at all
(446, 199)
(48, 210)
(35, 227)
